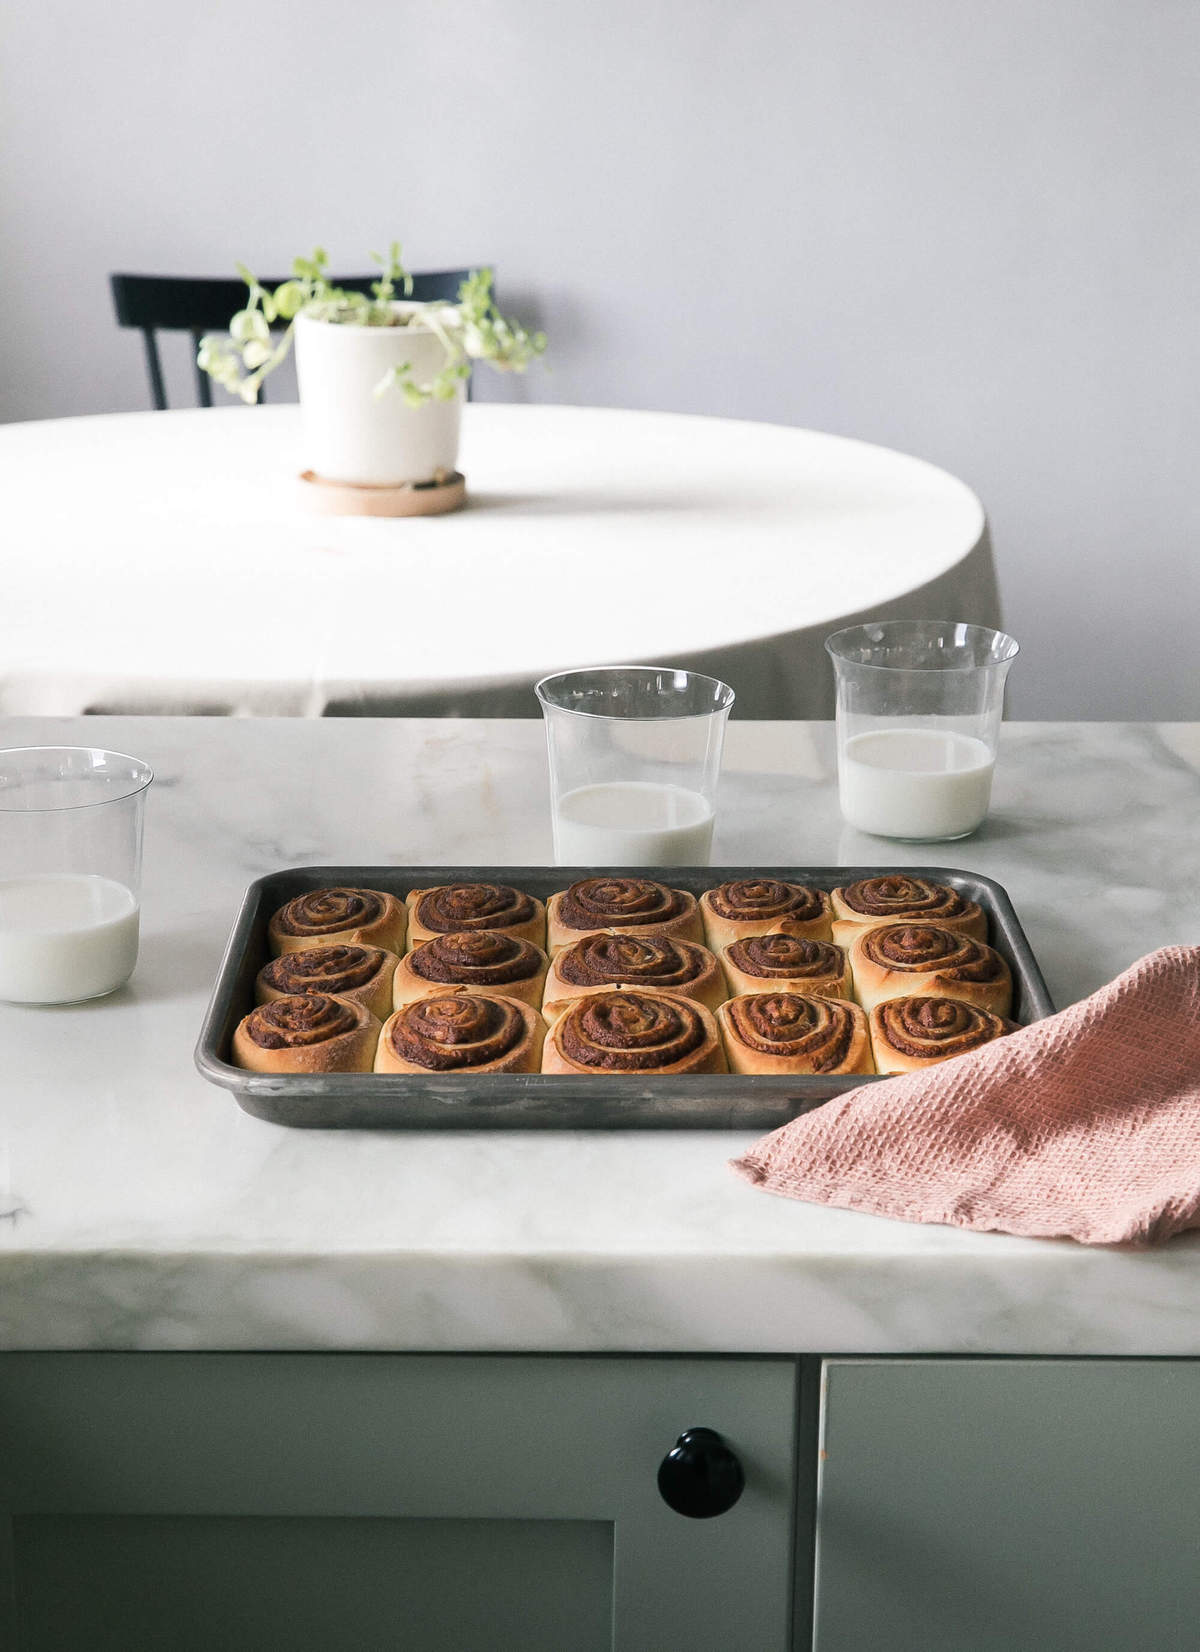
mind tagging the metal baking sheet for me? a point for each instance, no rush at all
(535, 1101)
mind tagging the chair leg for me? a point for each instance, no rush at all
(203, 382)
(154, 367)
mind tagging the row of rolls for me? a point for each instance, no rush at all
(627, 975)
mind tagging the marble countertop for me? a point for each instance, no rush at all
(140, 1208)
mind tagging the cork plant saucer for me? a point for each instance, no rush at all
(409, 499)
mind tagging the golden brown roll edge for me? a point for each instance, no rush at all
(896, 897)
(779, 962)
(923, 1030)
(338, 916)
(632, 905)
(613, 960)
(905, 960)
(464, 1032)
(482, 960)
(634, 1034)
(450, 908)
(363, 974)
(757, 906)
(307, 1033)
(794, 1034)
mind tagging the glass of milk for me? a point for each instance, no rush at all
(635, 752)
(70, 871)
(919, 704)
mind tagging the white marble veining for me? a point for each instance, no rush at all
(140, 1208)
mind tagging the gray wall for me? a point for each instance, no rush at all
(969, 230)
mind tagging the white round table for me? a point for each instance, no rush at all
(165, 562)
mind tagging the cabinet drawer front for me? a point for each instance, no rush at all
(486, 1501)
(1003, 1505)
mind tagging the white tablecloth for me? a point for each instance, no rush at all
(165, 562)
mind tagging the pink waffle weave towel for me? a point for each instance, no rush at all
(1084, 1126)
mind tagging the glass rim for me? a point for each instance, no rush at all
(604, 716)
(836, 654)
(135, 789)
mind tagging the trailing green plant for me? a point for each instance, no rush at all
(470, 328)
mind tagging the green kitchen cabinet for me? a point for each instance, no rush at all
(354, 1502)
(247, 1502)
(1008, 1505)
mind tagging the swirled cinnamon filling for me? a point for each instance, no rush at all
(324, 969)
(925, 947)
(327, 911)
(459, 1030)
(893, 895)
(632, 960)
(930, 1028)
(786, 956)
(459, 906)
(750, 899)
(607, 903)
(791, 1024)
(287, 1023)
(629, 1032)
(476, 957)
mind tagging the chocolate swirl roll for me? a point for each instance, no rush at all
(452, 908)
(791, 1032)
(361, 973)
(753, 906)
(638, 906)
(350, 917)
(609, 960)
(900, 960)
(309, 1033)
(635, 1033)
(486, 960)
(907, 1033)
(787, 963)
(458, 1031)
(895, 896)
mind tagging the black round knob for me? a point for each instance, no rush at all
(700, 1476)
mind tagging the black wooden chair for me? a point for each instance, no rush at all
(204, 304)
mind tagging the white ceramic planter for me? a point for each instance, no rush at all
(353, 435)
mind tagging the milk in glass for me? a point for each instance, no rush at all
(915, 782)
(64, 937)
(632, 823)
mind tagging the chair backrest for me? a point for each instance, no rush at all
(204, 304)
